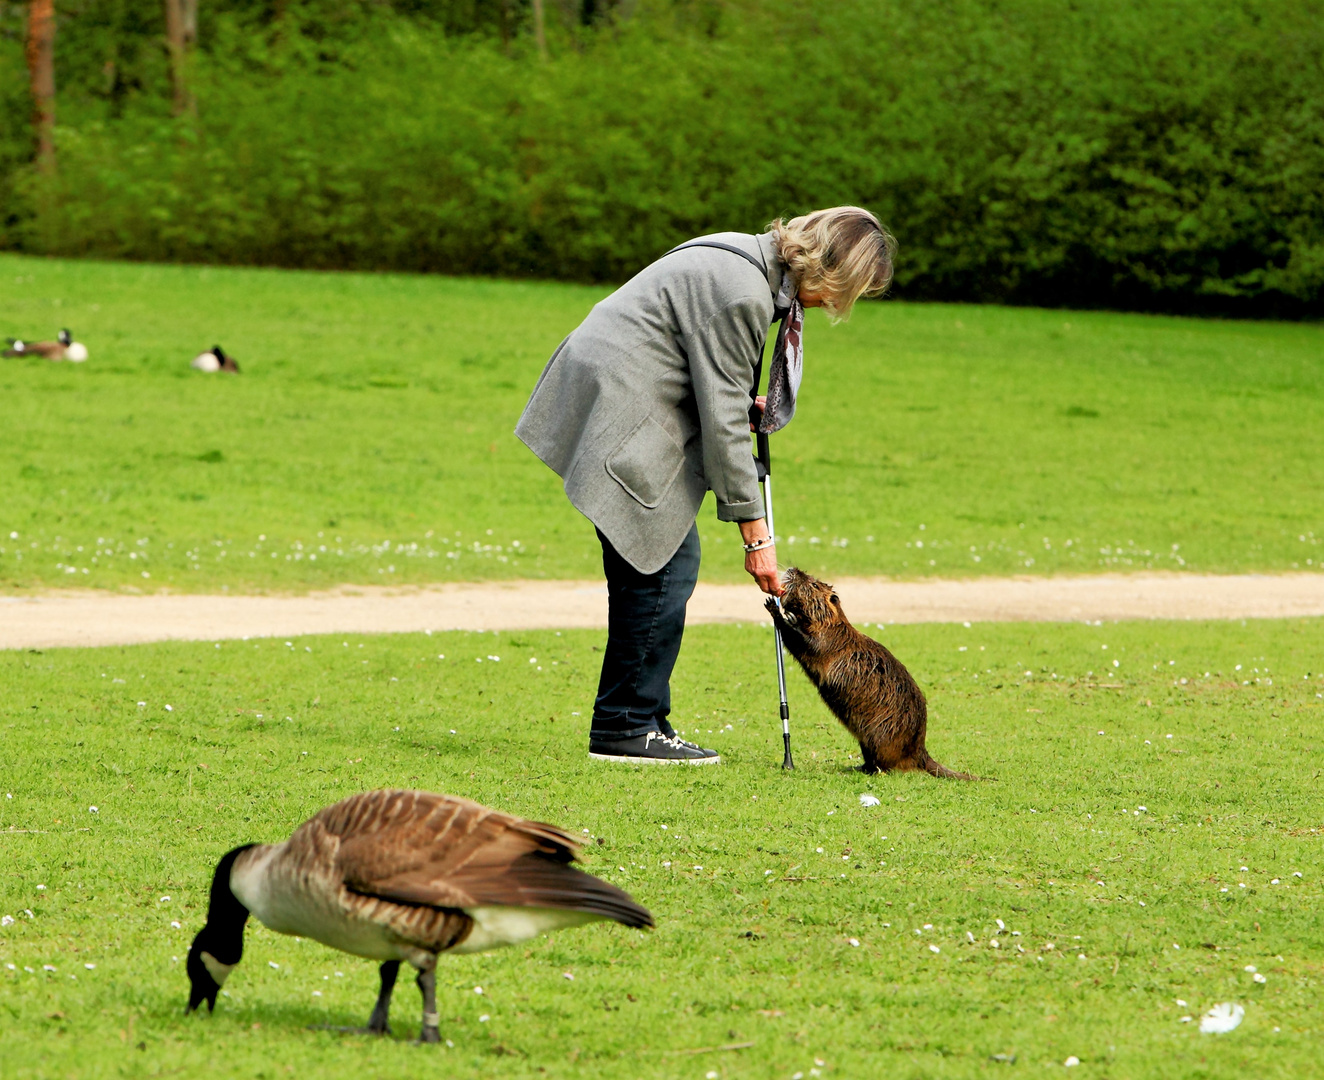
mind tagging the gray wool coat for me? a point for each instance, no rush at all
(645, 407)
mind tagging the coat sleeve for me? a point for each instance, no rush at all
(722, 354)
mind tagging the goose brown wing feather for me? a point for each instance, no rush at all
(47, 350)
(532, 880)
(418, 847)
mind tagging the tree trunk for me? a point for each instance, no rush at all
(539, 29)
(504, 21)
(41, 69)
(189, 13)
(177, 49)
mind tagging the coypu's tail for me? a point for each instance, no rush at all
(934, 768)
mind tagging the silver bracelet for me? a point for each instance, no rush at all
(759, 545)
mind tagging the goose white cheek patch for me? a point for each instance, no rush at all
(218, 971)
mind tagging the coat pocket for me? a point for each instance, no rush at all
(646, 462)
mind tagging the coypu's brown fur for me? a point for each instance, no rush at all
(866, 687)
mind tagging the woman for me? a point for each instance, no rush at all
(647, 406)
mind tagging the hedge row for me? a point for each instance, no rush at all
(1163, 155)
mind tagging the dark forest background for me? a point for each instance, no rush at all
(1156, 155)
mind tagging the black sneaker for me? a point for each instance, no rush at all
(652, 748)
(670, 733)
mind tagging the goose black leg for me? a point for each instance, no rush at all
(427, 983)
(379, 1022)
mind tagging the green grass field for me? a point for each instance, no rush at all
(368, 439)
(824, 935)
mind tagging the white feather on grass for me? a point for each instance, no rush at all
(1222, 1018)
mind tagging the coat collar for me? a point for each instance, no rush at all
(776, 268)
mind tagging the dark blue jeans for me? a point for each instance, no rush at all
(645, 622)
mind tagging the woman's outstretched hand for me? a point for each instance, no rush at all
(761, 565)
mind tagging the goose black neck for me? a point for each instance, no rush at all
(226, 916)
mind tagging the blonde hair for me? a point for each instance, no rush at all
(841, 254)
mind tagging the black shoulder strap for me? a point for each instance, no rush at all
(758, 263)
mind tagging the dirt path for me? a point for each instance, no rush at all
(89, 618)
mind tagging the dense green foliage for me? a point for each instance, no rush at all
(789, 917)
(368, 437)
(1129, 153)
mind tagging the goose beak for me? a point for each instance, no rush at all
(198, 994)
(202, 987)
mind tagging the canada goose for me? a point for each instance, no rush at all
(214, 359)
(63, 348)
(402, 875)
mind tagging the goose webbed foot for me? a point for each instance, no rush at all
(427, 985)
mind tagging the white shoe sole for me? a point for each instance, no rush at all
(655, 761)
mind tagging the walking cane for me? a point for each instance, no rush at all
(764, 465)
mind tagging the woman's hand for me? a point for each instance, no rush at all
(761, 565)
(760, 404)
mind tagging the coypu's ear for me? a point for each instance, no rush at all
(834, 599)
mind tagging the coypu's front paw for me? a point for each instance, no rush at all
(780, 616)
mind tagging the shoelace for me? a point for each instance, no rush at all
(673, 741)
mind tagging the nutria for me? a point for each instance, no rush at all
(867, 688)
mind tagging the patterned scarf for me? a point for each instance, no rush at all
(787, 360)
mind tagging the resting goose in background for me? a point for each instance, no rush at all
(214, 359)
(63, 348)
(402, 875)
